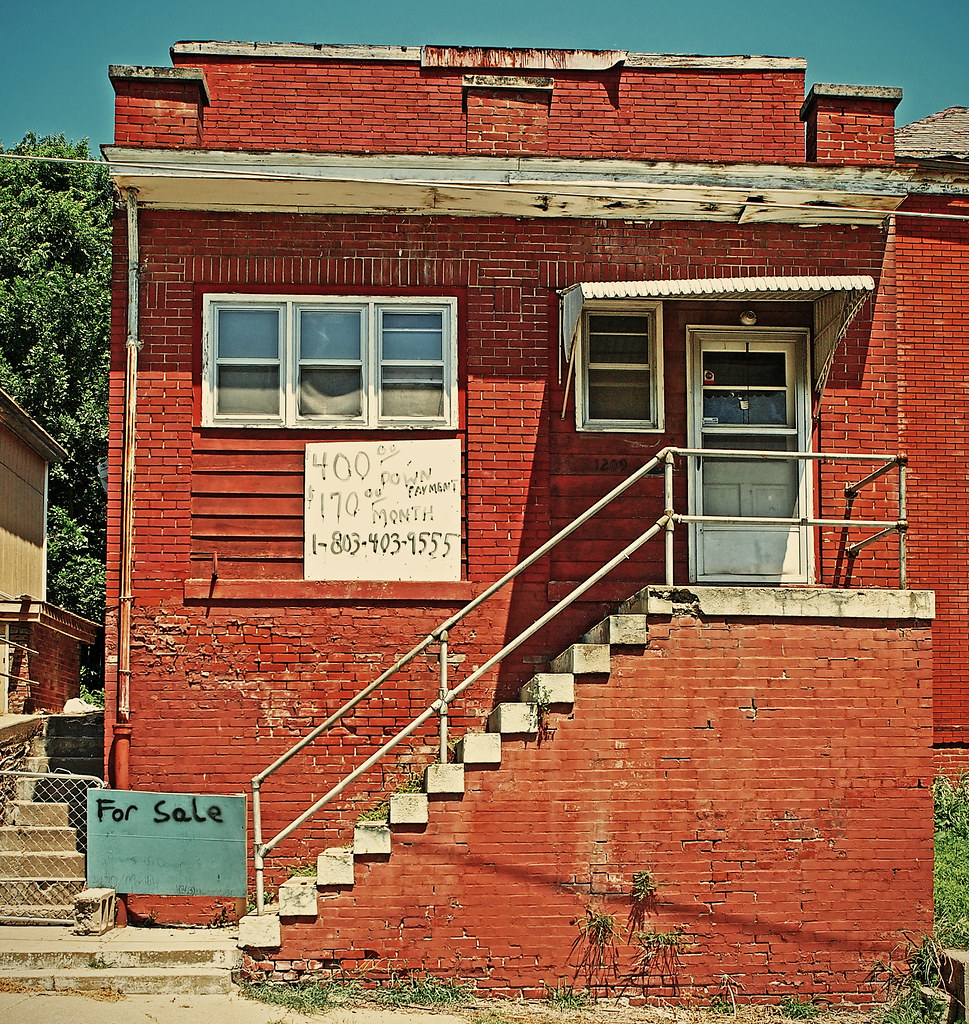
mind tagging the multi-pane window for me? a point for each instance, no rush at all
(620, 372)
(295, 361)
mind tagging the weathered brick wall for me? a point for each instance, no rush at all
(386, 107)
(851, 131)
(226, 679)
(48, 675)
(933, 367)
(773, 776)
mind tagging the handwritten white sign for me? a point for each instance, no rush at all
(382, 510)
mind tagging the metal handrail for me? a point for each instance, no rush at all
(666, 523)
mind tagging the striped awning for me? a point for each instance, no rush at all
(836, 301)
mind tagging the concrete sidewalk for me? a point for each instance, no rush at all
(63, 1008)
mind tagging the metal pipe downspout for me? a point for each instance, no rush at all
(122, 727)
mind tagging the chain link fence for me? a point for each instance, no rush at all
(43, 844)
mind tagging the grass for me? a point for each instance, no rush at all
(794, 1008)
(564, 997)
(907, 984)
(317, 997)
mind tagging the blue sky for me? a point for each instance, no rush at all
(54, 55)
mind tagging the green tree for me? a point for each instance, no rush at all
(55, 245)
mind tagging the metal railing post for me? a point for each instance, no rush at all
(442, 693)
(257, 858)
(670, 523)
(903, 519)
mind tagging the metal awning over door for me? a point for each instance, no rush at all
(836, 302)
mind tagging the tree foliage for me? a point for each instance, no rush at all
(55, 234)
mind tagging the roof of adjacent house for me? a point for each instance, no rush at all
(941, 136)
(29, 430)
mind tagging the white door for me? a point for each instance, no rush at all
(749, 390)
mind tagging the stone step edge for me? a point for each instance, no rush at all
(133, 980)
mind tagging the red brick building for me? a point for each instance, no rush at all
(387, 320)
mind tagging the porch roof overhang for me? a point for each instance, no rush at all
(836, 302)
(511, 186)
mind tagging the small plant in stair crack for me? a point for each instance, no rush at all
(542, 699)
(306, 870)
(100, 964)
(379, 812)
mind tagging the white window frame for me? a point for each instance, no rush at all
(652, 312)
(371, 308)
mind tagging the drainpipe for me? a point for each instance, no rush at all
(122, 726)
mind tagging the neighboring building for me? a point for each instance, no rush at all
(39, 643)
(404, 313)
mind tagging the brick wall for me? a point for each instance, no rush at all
(227, 678)
(773, 776)
(933, 322)
(399, 107)
(48, 675)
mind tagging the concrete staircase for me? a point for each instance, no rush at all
(42, 845)
(588, 659)
(141, 961)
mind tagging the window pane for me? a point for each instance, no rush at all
(620, 395)
(745, 369)
(329, 334)
(412, 391)
(743, 406)
(412, 335)
(413, 399)
(247, 390)
(330, 392)
(248, 334)
(619, 339)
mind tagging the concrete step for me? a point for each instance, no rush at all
(549, 688)
(33, 956)
(79, 765)
(127, 980)
(52, 864)
(478, 748)
(444, 779)
(655, 601)
(631, 630)
(335, 867)
(371, 839)
(26, 812)
(39, 911)
(514, 719)
(408, 809)
(39, 891)
(583, 659)
(37, 839)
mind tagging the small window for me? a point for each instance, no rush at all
(296, 361)
(620, 369)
